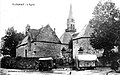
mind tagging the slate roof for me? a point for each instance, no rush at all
(43, 34)
(35, 32)
(24, 41)
(66, 37)
(47, 34)
(86, 31)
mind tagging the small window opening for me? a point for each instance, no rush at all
(35, 44)
(34, 51)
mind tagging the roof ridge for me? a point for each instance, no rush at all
(38, 32)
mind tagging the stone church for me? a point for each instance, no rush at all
(66, 38)
(67, 35)
(77, 44)
(44, 42)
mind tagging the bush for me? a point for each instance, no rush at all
(114, 65)
(20, 63)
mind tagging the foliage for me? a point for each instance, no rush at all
(106, 27)
(20, 63)
(11, 40)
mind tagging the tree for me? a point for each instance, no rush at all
(106, 28)
(11, 40)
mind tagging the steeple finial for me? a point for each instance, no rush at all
(70, 11)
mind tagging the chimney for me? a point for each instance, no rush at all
(27, 29)
(54, 29)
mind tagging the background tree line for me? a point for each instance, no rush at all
(106, 30)
(10, 41)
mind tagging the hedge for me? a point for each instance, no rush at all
(26, 63)
(20, 63)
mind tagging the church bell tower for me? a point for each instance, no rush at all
(70, 22)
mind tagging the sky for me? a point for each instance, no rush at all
(38, 13)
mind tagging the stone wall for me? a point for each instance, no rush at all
(40, 49)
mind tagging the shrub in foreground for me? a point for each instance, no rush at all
(20, 63)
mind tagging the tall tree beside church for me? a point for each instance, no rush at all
(11, 40)
(106, 28)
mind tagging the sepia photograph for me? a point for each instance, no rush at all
(59, 37)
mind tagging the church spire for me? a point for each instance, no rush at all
(70, 12)
(70, 22)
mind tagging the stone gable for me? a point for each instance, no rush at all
(44, 43)
(47, 34)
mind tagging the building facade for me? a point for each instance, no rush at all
(81, 43)
(41, 42)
